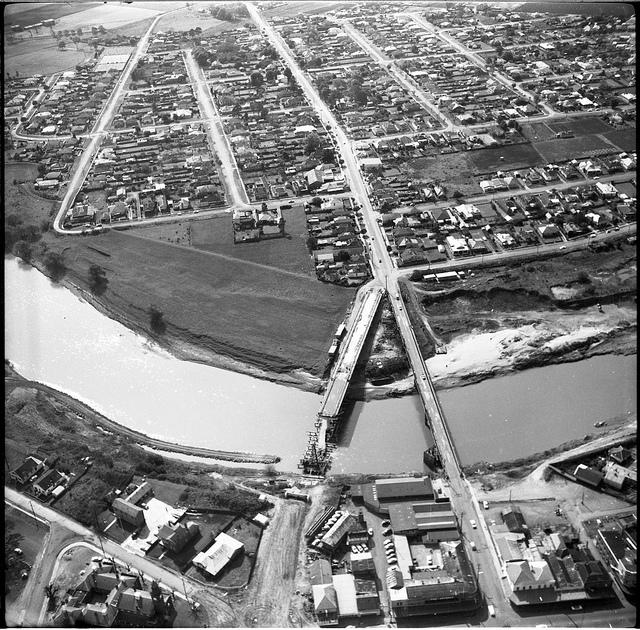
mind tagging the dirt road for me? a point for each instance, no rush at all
(271, 588)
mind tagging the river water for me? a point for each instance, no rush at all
(54, 337)
(529, 412)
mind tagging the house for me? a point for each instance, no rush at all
(50, 480)
(325, 604)
(526, 576)
(588, 475)
(219, 555)
(514, 520)
(175, 537)
(128, 512)
(29, 467)
(620, 454)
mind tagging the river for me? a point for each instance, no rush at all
(531, 411)
(54, 337)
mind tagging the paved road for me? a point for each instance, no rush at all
(166, 578)
(233, 182)
(383, 270)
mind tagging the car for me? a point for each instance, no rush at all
(577, 607)
(563, 247)
(473, 524)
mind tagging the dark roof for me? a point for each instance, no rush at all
(589, 476)
(400, 488)
(320, 572)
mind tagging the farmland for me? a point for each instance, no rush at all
(213, 305)
(50, 11)
(623, 138)
(572, 148)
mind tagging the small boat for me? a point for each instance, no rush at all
(599, 424)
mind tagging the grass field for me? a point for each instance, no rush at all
(29, 207)
(38, 12)
(570, 148)
(40, 55)
(515, 156)
(271, 319)
(215, 234)
(306, 6)
(623, 138)
(104, 14)
(537, 131)
(581, 126)
(451, 168)
(189, 18)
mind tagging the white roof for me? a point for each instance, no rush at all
(345, 585)
(219, 554)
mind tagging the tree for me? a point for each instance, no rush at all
(312, 144)
(22, 249)
(156, 320)
(54, 263)
(257, 79)
(97, 280)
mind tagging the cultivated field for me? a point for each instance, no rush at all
(513, 156)
(573, 148)
(623, 138)
(271, 319)
(25, 14)
(41, 55)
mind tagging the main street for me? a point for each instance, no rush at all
(463, 501)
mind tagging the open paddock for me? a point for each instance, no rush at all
(41, 55)
(272, 319)
(104, 15)
(537, 131)
(581, 126)
(625, 139)
(514, 156)
(453, 169)
(560, 150)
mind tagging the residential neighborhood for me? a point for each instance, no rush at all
(320, 314)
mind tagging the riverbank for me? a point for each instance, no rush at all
(14, 380)
(273, 332)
